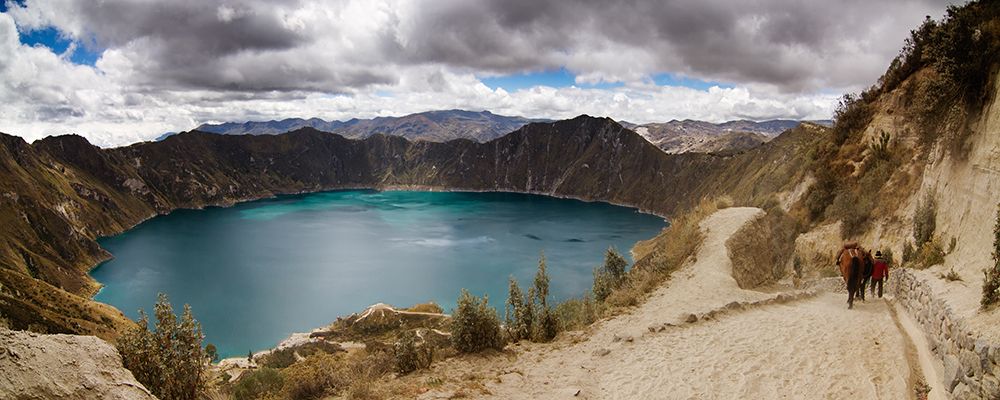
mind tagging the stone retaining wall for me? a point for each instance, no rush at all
(971, 364)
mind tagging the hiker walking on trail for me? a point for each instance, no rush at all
(880, 273)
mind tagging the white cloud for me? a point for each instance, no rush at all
(171, 66)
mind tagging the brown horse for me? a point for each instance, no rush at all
(853, 260)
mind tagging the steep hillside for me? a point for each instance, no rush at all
(61, 193)
(912, 166)
(435, 126)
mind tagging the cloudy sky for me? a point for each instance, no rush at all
(121, 71)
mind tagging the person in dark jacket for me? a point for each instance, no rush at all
(880, 272)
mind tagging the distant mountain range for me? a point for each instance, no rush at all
(692, 136)
(434, 126)
(687, 136)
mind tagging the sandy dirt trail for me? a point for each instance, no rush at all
(806, 349)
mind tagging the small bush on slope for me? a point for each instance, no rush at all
(313, 377)
(991, 285)
(168, 360)
(908, 252)
(258, 384)
(475, 326)
(930, 254)
(925, 220)
(576, 313)
(609, 276)
(409, 356)
(519, 312)
(547, 326)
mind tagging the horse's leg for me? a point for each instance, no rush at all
(850, 295)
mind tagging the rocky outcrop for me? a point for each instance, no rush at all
(36, 366)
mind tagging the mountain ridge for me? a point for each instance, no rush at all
(675, 136)
(438, 125)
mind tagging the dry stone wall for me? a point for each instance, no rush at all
(971, 363)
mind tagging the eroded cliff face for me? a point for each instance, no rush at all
(966, 186)
(60, 193)
(39, 366)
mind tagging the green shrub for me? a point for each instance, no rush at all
(908, 252)
(888, 257)
(576, 313)
(258, 384)
(852, 115)
(519, 312)
(929, 254)
(314, 377)
(541, 284)
(951, 276)
(879, 147)
(991, 285)
(924, 220)
(548, 325)
(211, 352)
(409, 356)
(854, 209)
(609, 276)
(168, 360)
(602, 284)
(965, 46)
(279, 358)
(475, 326)
(614, 265)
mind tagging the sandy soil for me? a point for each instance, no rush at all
(810, 348)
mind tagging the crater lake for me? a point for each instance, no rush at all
(258, 271)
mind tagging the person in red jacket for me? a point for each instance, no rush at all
(880, 272)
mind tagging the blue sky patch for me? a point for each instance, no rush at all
(554, 78)
(563, 78)
(674, 80)
(3, 4)
(51, 38)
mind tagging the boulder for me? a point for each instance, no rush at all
(952, 372)
(991, 387)
(971, 363)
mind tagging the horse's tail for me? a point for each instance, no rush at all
(855, 278)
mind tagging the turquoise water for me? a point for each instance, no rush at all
(258, 271)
